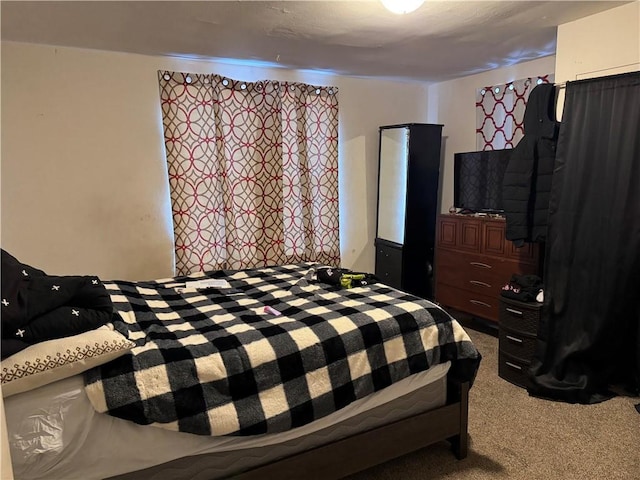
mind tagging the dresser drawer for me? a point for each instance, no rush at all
(520, 317)
(517, 344)
(480, 275)
(481, 305)
(460, 232)
(513, 370)
(389, 265)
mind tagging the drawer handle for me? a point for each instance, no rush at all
(477, 282)
(513, 365)
(479, 264)
(517, 312)
(478, 302)
(514, 339)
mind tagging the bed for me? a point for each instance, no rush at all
(396, 378)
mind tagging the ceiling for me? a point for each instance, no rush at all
(439, 41)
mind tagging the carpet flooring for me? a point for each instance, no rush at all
(515, 436)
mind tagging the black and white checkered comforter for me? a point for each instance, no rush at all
(212, 362)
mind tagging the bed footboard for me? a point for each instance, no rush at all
(367, 449)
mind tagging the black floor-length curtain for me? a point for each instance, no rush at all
(588, 338)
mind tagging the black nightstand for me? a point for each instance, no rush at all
(518, 329)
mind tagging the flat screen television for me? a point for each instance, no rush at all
(478, 180)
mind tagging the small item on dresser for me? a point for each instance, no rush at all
(524, 288)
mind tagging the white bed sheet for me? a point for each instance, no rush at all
(54, 432)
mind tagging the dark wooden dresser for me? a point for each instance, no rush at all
(518, 330)
(474, 260)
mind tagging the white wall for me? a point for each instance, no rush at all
(607, 43)
(453, 104)
(84, 183)
(603, 44)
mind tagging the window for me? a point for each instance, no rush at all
(253, 171)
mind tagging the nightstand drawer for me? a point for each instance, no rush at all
(516, 344)
(389, 265)
(520, 317)
(513, 370)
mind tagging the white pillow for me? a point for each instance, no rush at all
(53, 360)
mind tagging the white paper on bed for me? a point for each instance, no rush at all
(208, 283)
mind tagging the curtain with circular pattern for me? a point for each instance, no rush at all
(253, 171)
(500, 112)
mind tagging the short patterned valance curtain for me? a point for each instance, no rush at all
(253, 171)
(500, 112)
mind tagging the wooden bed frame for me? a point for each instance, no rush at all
(348, 455)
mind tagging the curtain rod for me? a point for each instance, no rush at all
(598, 78)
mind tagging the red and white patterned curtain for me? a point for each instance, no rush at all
(253, 171)
(500, 112)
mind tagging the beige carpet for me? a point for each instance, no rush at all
(515, 436)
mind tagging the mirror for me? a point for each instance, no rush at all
(392, 183)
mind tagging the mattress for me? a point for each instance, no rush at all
(55, 433)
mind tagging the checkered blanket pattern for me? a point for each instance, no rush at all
(212, 362)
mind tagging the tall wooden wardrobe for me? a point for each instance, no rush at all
(408, 178)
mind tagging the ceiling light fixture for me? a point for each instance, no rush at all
(402, 6)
